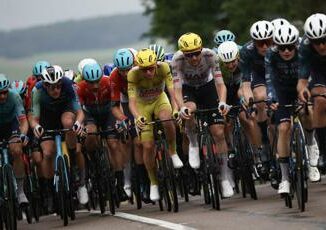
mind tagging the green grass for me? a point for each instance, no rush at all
(19, 69)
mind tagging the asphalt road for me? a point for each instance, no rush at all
(268, 212)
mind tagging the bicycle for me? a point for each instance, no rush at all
(62, 178)
(209, 168)
(298, 159)
(245, 166)
(101, 174)
(8, 185)
(167, 174)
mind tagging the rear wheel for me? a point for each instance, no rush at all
(10, 202)
(62, 195)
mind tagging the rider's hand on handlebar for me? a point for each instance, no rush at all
(24, 139)
(177, 117)
(38, 131)
(185, 113)
(223, 108)
(78, 128)
(304, 95)
(140, 122)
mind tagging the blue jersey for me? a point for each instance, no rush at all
(281, 75)
(311, 63)
(251, 62)
(42, 100)
(12, 109)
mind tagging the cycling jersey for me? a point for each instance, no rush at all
(148, 90)
(119, 85)
(12, 109)
(98, 102)
(230, 78)
(30, 83)
(42, 100)
(195, 76)
(252, 65)
(311, 63)
(281, 75)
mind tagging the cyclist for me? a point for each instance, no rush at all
(146, 84)
(99, 104)
(277, 22)
(32, 80)
(223, 36)
(123, 59)
(80, 67)
(254, 86)
(198, 83)
(14, 127)
(20, 88)
(108, 68)
(282, 64)
(229, 57)
(312, 63)
(159, 51)
(55, 105)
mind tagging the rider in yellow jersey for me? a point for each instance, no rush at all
(146, 84)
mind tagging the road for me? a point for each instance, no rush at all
(268, 212)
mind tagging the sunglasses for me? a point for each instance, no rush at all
(261, 43)
(147, 69)
(318, 41)
(4, 92)
(192, 54)
(286, 47)
(53, 86)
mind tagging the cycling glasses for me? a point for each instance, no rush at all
(5, 92)
(261, 43)
(318, 41)
(286, 47)
(192, 54)
(145, 69)
(53, 86)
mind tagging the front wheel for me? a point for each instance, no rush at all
(10, 201)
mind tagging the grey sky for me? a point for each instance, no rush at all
(16, 14)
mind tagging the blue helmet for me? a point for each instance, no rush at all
(39, 67)
(168, 57)
(107, 68)
(19, 87)
(223, 36)
(4, 82)
(92, 72)
(123, 59)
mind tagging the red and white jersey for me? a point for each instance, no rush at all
(186, 74)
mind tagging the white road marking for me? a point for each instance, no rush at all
(141, 219)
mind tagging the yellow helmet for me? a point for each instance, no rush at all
(189, 42)
(146, 57)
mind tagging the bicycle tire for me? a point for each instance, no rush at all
(10, 202)
(62, 195)
(70, 192)
(172, 185)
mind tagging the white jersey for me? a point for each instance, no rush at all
(194, 76)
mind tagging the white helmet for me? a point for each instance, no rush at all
(315, 26)
(84, 62)
(286, 35)
(261, 30)
(52, 74)
(228, 51)
(279, 22)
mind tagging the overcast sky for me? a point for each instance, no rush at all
(16, 14)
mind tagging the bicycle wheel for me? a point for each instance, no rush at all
(10, 199)
(299, 150)
(213, 172)
(62, 195)
(71, 191)
(171, 185)
(109, 174)
(135, 186)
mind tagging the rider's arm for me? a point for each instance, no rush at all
(34, 114)
(169, 86)
(115, 91)
(245, 63)
(21, 115)
(177, 81)
(270, 76)
(132, 94)
(304, 64)
(218, 79)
